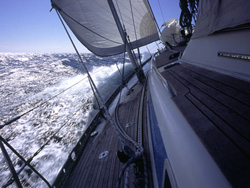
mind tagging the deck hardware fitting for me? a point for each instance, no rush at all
(234, 56)
(93, 133)
(103, 154)
(64, 171)
(73, 156)
(128, 125)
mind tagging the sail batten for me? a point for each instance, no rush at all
(93, 24)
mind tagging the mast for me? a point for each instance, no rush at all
(132, 58)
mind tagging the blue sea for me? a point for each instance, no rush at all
(52, 95)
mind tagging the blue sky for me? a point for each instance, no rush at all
(29, 26)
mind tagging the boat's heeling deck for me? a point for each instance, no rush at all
(90, 171)
(217, 107)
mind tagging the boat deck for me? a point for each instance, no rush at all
(217, 108)
(90, 171)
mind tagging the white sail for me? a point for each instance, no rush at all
(93, 24)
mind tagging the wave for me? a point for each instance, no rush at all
(56, 123)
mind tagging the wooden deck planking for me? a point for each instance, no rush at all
(90, 164)
(234, 123)
(77, 181)
(130, 117)
(220, 115)
(103, 169)
(235, 83)
(93, 172)
(100, 165)
(109, 166)
(227, 108)
(94, 154)
(117, 165)
(219, 92)
(240, 94)
(226, 154)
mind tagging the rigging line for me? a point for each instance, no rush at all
(18, 117)
(123, 67)
(125, 8)
(126, 35)
(41, 104)
(29, 165)
(148, 49)
(122, 75)
(123, 64)
(129, 162)
(46, 143)
(145, 170)
(99, 107)
(127, 178)
(57, 131)
(135, 32)
(125, 16)
(153, 17)
(130, 44)
(120, 129)
(139, 147)
(120, 14)
(94, 36)
(123, 133)
(60, 10)
(10, 165)
(128, 16)
(161, 10)
(106, 112)
(140, 153)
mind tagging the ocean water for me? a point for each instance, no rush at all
(52, 94)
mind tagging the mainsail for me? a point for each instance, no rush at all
(93, 24)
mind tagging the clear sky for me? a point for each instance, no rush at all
(29, 26)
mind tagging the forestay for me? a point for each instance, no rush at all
(218, 15)
(93, 24)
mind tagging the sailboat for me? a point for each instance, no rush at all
(185, 122)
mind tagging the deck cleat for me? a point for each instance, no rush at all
(103, 154)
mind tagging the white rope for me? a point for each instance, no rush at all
(107, 114)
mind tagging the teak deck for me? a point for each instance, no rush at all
(217, 107)
(90, 171)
